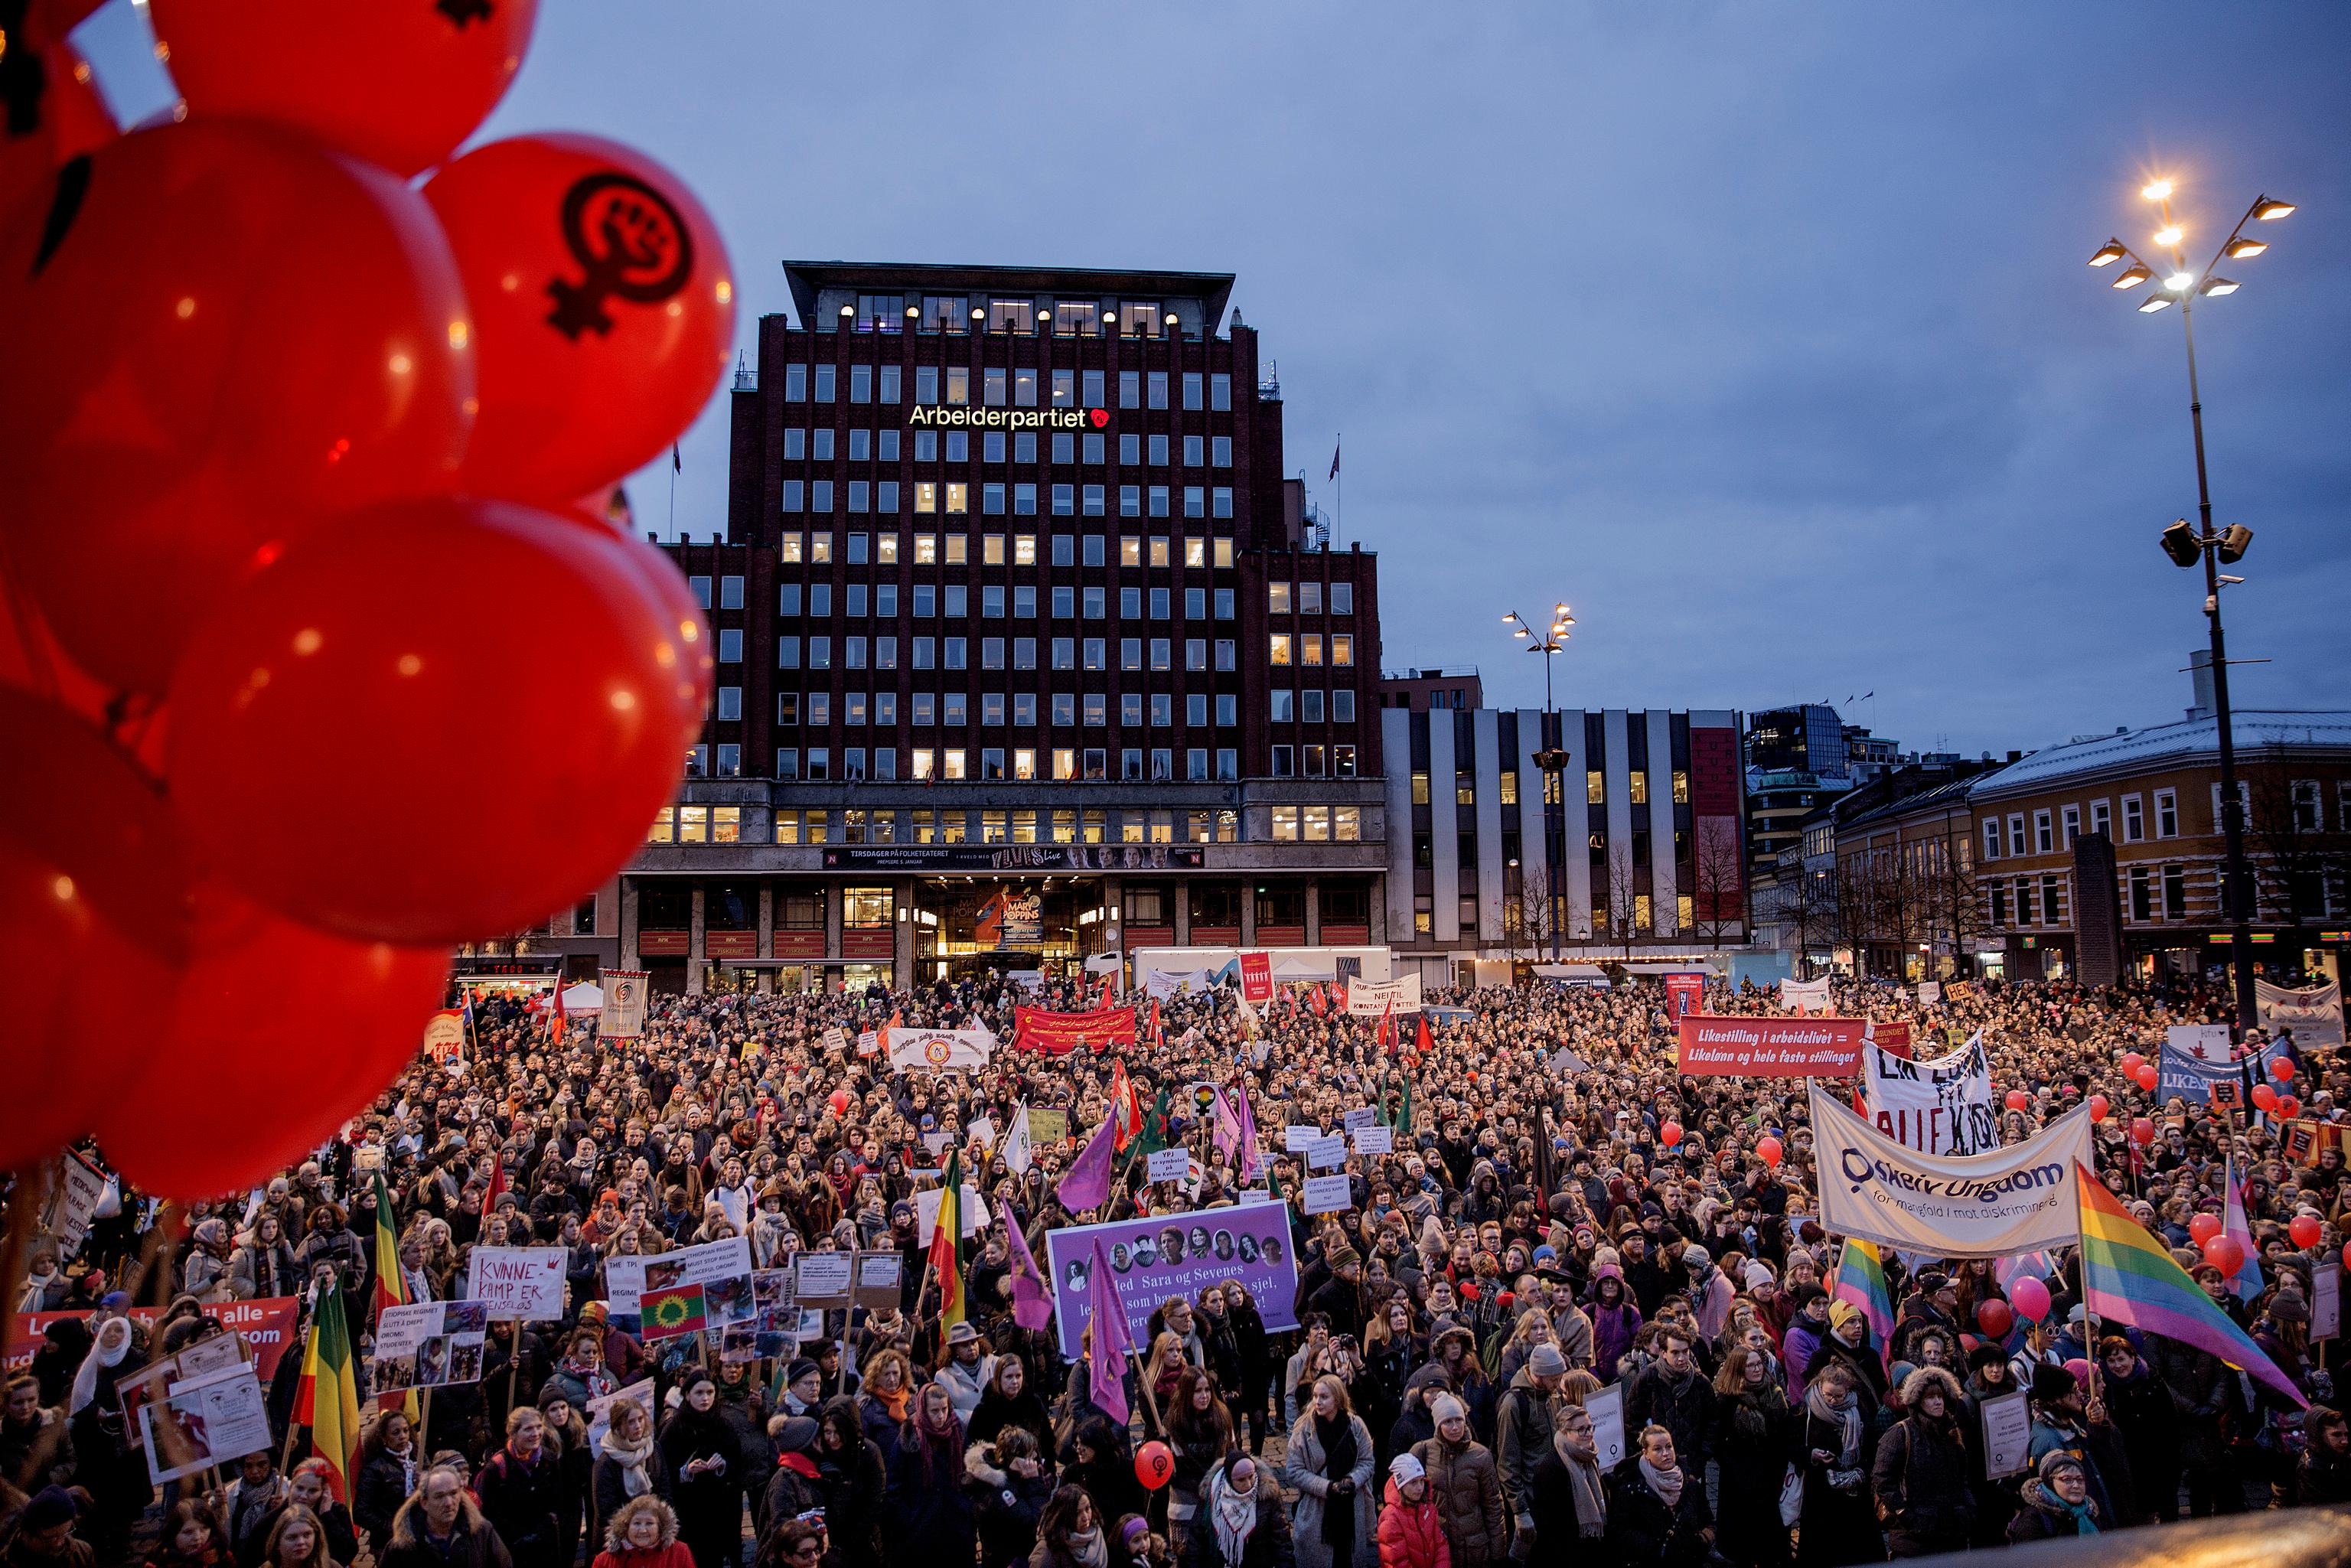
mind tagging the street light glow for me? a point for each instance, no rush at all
(2157, 191)
(2216, 286)
(2153, 303)
(2109, 253)
(2169, 235)
(2130, 276)
(2268, 211)
(2179, 282)
(2246, 245)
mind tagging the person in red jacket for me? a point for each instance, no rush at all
(643, 1534)
(1412, 1534)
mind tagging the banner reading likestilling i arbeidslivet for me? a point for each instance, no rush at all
(2020, 1198)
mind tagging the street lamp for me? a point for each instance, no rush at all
(2213, 547)
(1552, 760)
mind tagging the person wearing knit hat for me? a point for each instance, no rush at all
(1757, 1276)
(2058, 1501)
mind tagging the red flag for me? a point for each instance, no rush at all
(555, 1013)
(1157, 1040)
(1317, 1000)
(1388, 1038)
(497, 1185)
(1421, 1046)
(1126, 1113)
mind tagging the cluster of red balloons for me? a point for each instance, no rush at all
(306, 468)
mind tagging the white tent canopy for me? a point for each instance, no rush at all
(583, 997)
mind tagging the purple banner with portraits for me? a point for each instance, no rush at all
(1155, 1259)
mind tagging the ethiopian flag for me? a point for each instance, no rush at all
(945, 1266)
(391, 1287)
(680, 1309)
(327, 1399)
(2127, 1277)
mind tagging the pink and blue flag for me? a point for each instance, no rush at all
(2247, 1284)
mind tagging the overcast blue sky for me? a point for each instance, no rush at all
(1759, 333)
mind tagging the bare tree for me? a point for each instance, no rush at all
(1626, 889)
(1530, 915)
(1804, 902)
(1955, 907)
(2295, 852)
(1718, 879)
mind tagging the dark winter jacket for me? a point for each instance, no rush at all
(1643, 1529)
(1467, 1488)
(1923, 1494)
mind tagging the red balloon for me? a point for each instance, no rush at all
(2288, 1107)
(1768, 1150)
(2147, 1076)
(839, 1101)
(2225, 1253)
(67, 119)
(2346, 1255)
(2018, 1100)
(399, 82)
(680, 612)
(1670, 1133)
(2265, 1097)
(258, 992)
(2030, 1297)
(1994, 1318)
(2099, 1105)
(364, 653)
(2304, 1229)
(2142, 1130)
(93, 915)
(605, 309)
(2131, 1062)
(2202, 1228)
(234, 334)
(2282, 1069)
(1154, 1466)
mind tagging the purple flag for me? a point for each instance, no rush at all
(1252, 1167)
(1032, 1300)
(1228, 1127)
(1087, 1184)
(1106, 1354)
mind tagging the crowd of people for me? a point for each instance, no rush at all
(1562, 1218)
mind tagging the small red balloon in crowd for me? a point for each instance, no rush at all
(1670, 1133)
(2346, 1255)
(2142, 1130)
(2203, 1226)
(2289, 1106)
(2264, 1097)
(604, 305)
(2131, 1061)
(2030, 1297)
(1154, 1466)
(2282, 1069)
(2305, 1231)
(2147, 1076)
(2018, 1100)
(399, 82)
(2225, 1253)
(1769, 1150)
(1994, 1318)
(2099, 1105)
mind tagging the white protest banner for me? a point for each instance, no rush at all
(1326, 1153)
(428, 1344)
(982, 1131)
(1939, 1107)
(444, 1035)
(870, 1043)
(2020, 1198)
(835, 1039)
(1806, 996)
(940, 1050)
(2195, 1056)
(200, 1425)
(1374, 1140)
(524, 1282)
(1930, 992)
(821, 1277)
(976, 1217)
(2326, 1303)
(2315, 1015)
(1362, 1116)
(625, 1278)
(1606, 1408)
(623, 1016)
(2007, 1435)
(1374, 998)
(73, 1205)
(1295, 1138)
(600, 1411)
(1327, 1195)
(1167, 1164)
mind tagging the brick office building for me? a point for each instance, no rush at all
(1026, 650)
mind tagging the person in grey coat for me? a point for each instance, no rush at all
(1329, 1459)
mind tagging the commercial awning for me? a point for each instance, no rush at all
(1569, 972)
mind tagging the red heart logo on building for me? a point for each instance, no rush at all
(1102, 417)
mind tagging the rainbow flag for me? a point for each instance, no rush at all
(2128, 1276)
(1861, 1279)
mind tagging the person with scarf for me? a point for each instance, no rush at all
(1242, 1523)
(1200, 1434)
(643, 1534)
(265, 1265)
(930, 1516)
(581, 1374)
(1412, 1532)
(1839, 1523)
(388, 1468)
(2055, 1502)
(1070, 1533)
(699, 1448)
(626, 1469)
(205, 1274)
(1920, 1476)
(1808, 1324)
(1754, 1440)
(1466, 1483)
(1658, 1513)
(796, 1486)
(885, 1398)
(1010, 1401)
(850, 1468)
(1850, 1345)
(568, 1442)
(1329, 1461)
(521, 1491)
(1671, 1392)
(1010, 1487)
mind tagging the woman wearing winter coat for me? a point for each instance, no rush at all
(1009, 1487)
(628, 1467)
(1753, 1440)
(1921, 1477)
(1839, 1524)
(1072, 1532)
(387, 1470)
(265, 1265)
(1010, 1400)
(1657, 1510)
(1200, 1434)
(1988, 1377)
(1412, 1532)
(929, 1519)
(1329, 1461)
(885, 1400)
(1614, 1319)
(1242, 1523)
(521, 1490)
(643, 1534)
(699, 1449)
(1250, 1401)
(855, 1484)
(1102, 1463)
(1467, 1485)
(2055, 1502)
(2323, 1475)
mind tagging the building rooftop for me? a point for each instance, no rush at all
(807, 278)
(2254, 730)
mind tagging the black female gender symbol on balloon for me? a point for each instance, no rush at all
(631, 244)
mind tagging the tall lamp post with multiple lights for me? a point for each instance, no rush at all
(1552, 760)
(2214, 549)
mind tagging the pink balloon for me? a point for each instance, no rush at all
(2030, 1297)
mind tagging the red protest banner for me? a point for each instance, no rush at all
(267, 1326)
(1893, 1038)
(1257, 977)
(1716, 1046)
(1058, 1034)
(1685, 995)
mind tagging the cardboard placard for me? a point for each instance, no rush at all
(1048, 1126)
(1167, 1164)
(1326, 1153)
(1607, 1411)
(880, 1279)
(198, 1425)
(1375, 1141)
(1327, 1195)
(518, 1282)
(822, 1278)
(429, 1344)
(1361, 1116)
(2007, 1435)
(1295, 1137)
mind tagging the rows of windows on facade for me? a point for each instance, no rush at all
(692, 824)
(955, 313)
(952, 602)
